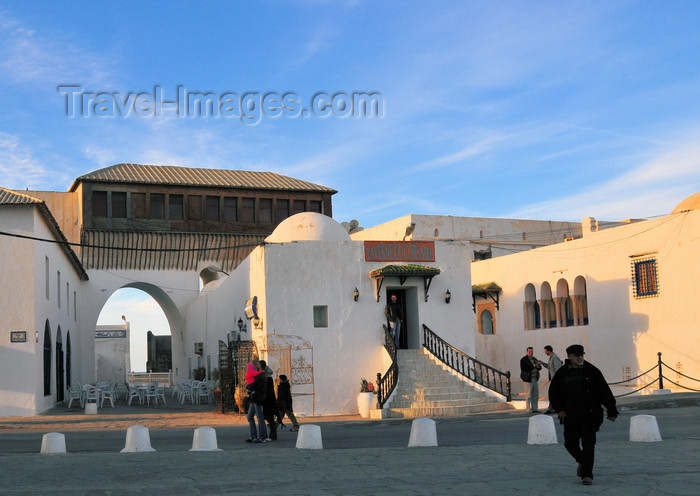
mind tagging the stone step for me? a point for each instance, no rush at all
(459, 402)
(444, 411)
(432, 396)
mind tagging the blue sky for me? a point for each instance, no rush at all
(543, 110)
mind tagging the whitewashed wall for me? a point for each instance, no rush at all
(622, 331)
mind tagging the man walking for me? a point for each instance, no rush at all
(392, 311)
(578, 393)
(530, 373)
(552, 365)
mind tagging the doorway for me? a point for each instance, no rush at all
(406, 298)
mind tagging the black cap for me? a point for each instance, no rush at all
(283, 377)
(575, 349)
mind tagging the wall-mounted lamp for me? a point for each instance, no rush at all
(356, 294)
(257, 322)
(36, 335)
(448, 296)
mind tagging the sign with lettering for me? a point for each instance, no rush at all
(18, 336)
(110, 334)
(399, 251)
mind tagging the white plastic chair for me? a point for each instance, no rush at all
(109, 394)
(92, 394)
(133, 392)
(151, 392)
(160, 392)
(75, 394)
(203, 392)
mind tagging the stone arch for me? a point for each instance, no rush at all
(486, 324)
(563, 304)
(580, 301)
(547, 306)
(530, 308)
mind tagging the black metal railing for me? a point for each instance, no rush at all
(484, 375)
(386, 384)
(658, 380)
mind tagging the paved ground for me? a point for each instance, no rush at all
(479, 454)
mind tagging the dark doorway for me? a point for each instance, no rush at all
(68, 359)
(59, 366)
(47, 359)
(401, 301)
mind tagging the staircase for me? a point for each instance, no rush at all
(426, 389)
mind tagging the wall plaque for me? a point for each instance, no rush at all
(18, 336)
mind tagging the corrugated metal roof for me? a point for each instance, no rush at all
(9, 197)
(192, 176)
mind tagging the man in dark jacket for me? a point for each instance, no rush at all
(578, 393)
(270, 404)
(530, 373)
(258, 391)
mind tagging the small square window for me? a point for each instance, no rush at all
(320, 315)
(212, 208)
(157, 206)
(99, 204)
(265, 205)
(118, 204)
(176, 207)
(645, 278)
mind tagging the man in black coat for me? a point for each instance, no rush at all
(270, 403)
(530, 373)
(578, 393)
(258, 391)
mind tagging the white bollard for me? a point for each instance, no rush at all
(90, 408)
(643, 428)
(53, 443)
(423, 433)
(309, 437)
(204, 440)
(137, 440)
(541, 430)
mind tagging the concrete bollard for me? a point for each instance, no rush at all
(204, 439)
(137, 440)
(643, 428)
(541, 430)
(53, 443)
(423, 433)
(309, 437)
(90, 408)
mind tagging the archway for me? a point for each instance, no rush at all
(123, 327)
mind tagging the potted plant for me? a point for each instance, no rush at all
(366, 400)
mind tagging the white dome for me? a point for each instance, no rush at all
(308, 226)
(690, 203)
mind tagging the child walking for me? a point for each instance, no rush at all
(284, 396)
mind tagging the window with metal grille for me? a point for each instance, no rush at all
(645, 278)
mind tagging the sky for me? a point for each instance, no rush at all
(537, 110)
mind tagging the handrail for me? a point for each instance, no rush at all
(387, 384)
(660, 379)
(484, 375)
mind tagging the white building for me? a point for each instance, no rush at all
(625, 293)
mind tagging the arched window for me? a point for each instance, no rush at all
(536, 308)
(486, 322)
(580, 301)
(47, 359)
(59, 365)
(68, 359)
(569, 312)
(529, 307)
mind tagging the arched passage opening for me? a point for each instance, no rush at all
(47, 359)
(134, 332)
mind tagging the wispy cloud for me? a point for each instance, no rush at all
(19, 169)
(653, 188)
(29, 57)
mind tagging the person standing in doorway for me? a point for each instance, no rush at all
(530, 373)
(552, 365)
(394, 316)
(578, 393)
